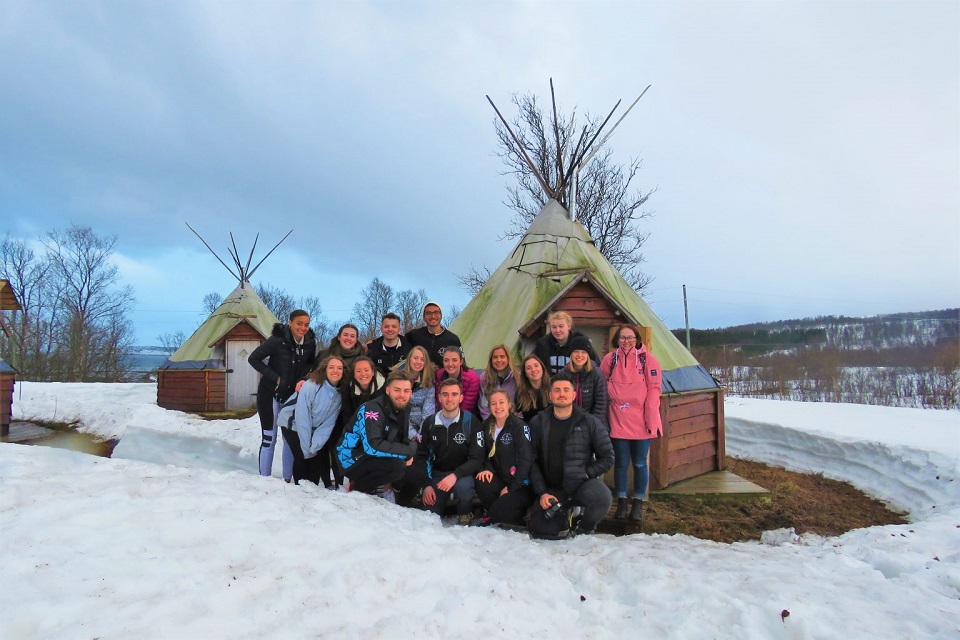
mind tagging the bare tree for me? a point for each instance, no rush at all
(96, 339)
(277, 300)
(172, 341)
(319, 322)
(608, 206)
(474, 279)
(410, 308)
(31, 341)
(211, 301)
(376, 299)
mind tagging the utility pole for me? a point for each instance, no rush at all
(686, 315)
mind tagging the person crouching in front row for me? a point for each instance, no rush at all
(503, 486)
(449, 453)
(375, 448)
(571, 450)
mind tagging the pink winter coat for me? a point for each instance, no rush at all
(633, 384)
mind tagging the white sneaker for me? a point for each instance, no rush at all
(389, 496)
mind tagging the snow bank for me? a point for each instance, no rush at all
(907, 457)
(118, 548)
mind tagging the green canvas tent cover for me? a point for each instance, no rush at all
(555, 254)
(204, 349)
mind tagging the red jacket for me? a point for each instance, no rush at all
(471, 389)
(633, 386)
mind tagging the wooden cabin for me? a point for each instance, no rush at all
(693, 428)
(8, 374)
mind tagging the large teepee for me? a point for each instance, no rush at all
(210, 372)
(557, 267)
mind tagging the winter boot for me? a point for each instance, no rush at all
(621, 513)
(636, 511)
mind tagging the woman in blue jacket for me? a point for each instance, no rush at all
(307, 424)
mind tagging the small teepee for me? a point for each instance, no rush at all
(557, 267)
(210, 372)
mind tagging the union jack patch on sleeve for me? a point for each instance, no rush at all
(372, 415)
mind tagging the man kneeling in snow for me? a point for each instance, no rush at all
(571, 450)
(376, 449)
(450, 453)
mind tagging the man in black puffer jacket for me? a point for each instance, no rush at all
(571, 450)
(283, 360)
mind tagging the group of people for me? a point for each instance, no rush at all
(405, 418)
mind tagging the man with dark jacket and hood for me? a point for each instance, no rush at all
(571, 450)
(554, 348)
(283, 360)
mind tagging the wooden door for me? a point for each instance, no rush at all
(242, 379)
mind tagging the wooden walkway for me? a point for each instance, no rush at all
(713, 485)
(26, 432)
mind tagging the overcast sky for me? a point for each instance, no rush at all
(805, 155)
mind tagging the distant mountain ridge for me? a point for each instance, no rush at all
(882, 332)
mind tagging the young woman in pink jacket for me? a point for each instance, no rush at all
(633, 386)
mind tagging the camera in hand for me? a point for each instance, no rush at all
(555, 506)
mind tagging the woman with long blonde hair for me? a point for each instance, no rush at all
(503, 486)
(499, 374)
(421, 371)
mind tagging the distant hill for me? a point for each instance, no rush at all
(883, 332)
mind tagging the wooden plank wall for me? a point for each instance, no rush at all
(586, 306)
(243, 331)
(692, 441)
(192, 390)
(7, 382)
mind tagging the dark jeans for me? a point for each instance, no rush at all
(593, 496)
(371, 472)
(462, 489)
(626, 451)
(509, 508)
(303, 468)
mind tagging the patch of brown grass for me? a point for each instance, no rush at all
(808, 502)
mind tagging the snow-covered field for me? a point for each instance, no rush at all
(123, 548)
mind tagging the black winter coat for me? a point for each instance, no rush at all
(591, 388)
(434, 344)
(513, 456)
(553, 356)
(385, 360)
(588, 452)
(279, 356)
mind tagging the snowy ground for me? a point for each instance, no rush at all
(124, 548)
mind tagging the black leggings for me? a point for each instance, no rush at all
(509, 508)
(327, 459)
(303, 468)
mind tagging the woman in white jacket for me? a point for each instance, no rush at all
(307, 424)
